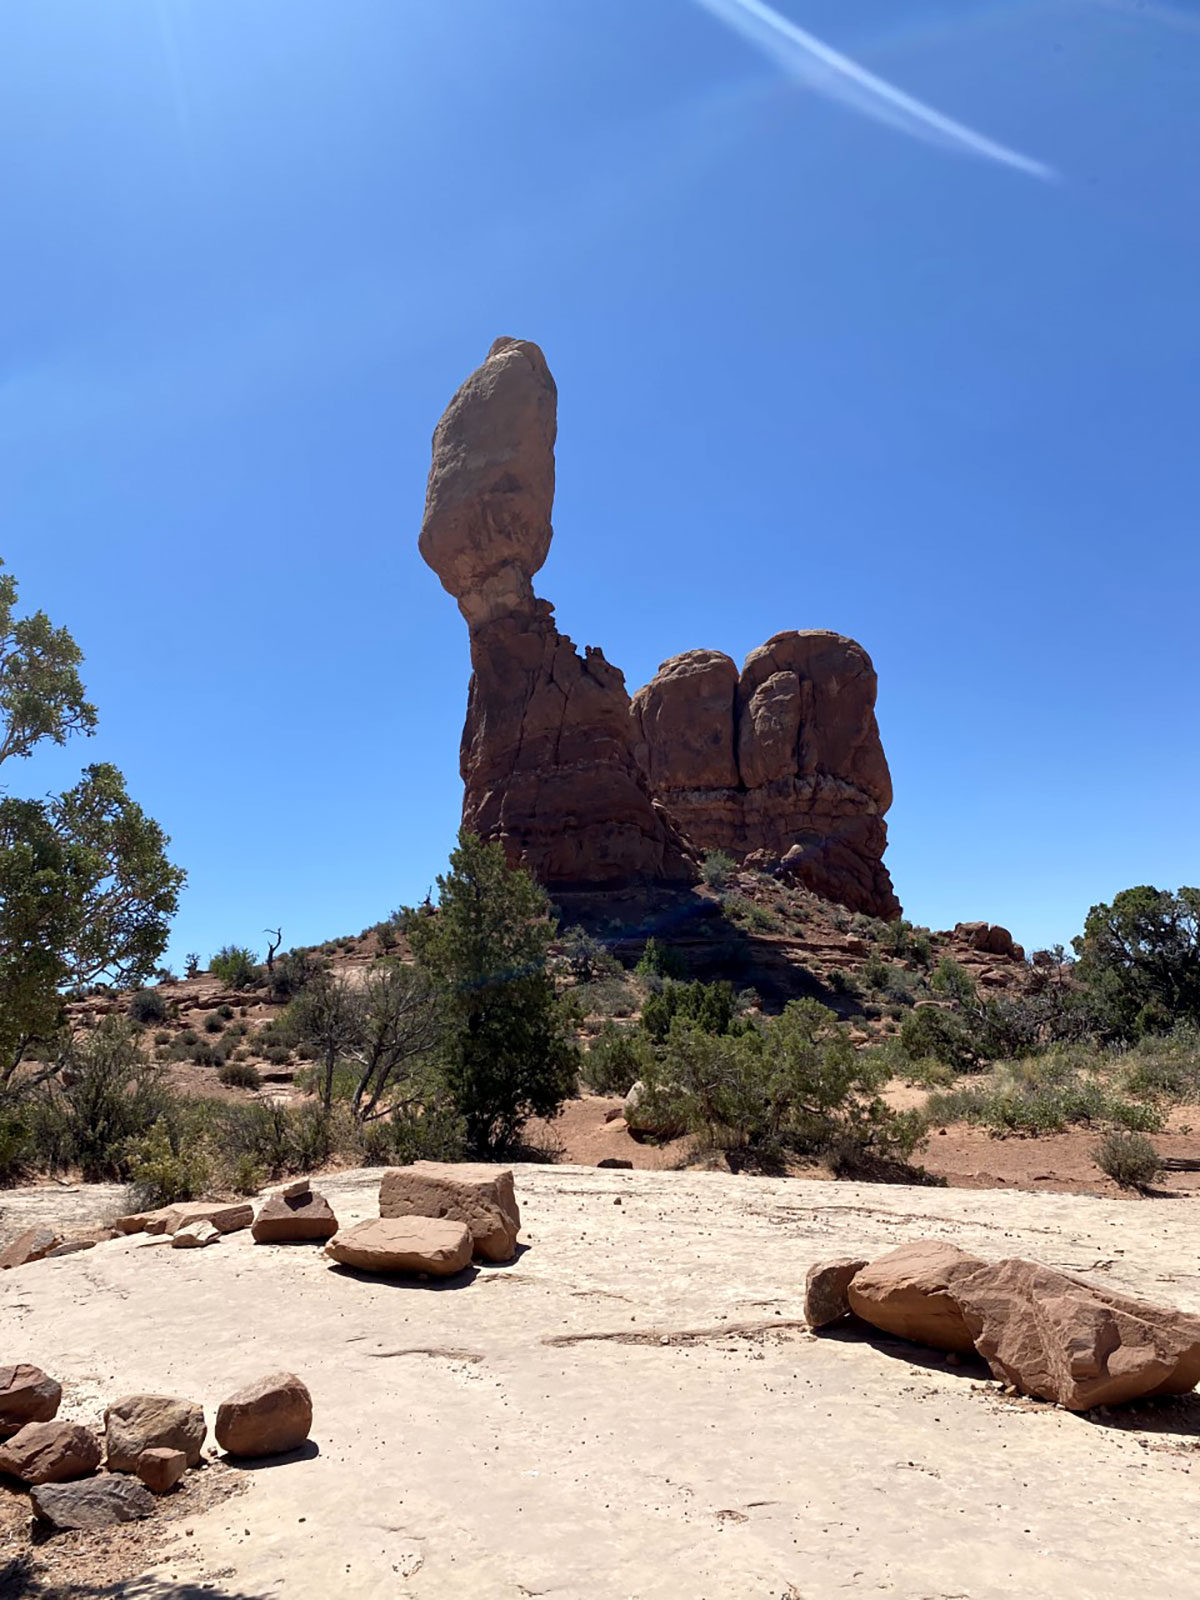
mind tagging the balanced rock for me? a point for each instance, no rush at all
(50, 1452)
(909, 1292)
(26, 1395)
(780, 763)
(1059, 1338)
(826, 1297)
(548, 762)
(265, 1418)
(93, 1503)
(141, 1422)
(32, 1245)
(161, 1469)
(480, 1196)
(194, 1236)
(403, 1244)
(287, 1218)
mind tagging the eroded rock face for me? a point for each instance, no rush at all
(782, 760)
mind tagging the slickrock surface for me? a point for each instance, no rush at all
(632, 1407)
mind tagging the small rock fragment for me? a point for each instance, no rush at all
(825, 1290)
(161, 1469)
(194, 1236)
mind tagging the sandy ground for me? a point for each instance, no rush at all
(631, 1408)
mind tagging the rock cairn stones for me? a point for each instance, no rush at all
(161, 1469)
(1043, 1332)
(294, 1214)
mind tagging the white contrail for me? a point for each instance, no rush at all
(818, 67)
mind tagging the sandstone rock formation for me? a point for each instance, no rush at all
(826, 1300)
(140, 1422)
(266, 1417)
(1044, 1332)
(780, 760)
(294, 1216)
(547, 750)
(403, 1244)
(480, 1196)
(35, 1244)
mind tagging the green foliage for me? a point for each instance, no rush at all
(931, 1032)
(1141, 957)
(1164, 1066)
(1129, 1159)
(709, 1005)
(585, 958)
(191, 964)
(239, 1075)
(615, 1059)
(660, 961)
(148, 1005)
(165, 1165)
(109, 1094)
(750, 914)
(606, 997)
(213, 1023)
(41, 694)
(843, 982)
(717, 869)
(505, 1049)
(235, 965)
(1047, 1094)
(292, 973)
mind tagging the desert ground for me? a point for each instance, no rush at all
(632, 1408)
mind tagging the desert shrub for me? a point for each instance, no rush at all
(1046, 1095)
(213, 1023)
(585, 958)
(239, 1075)
(148, 1005)
(660, 961)
(843, 982)
(188, 1037)
(717, 869)
(292, 973)
(748, 913)
(931, 1032)
(191, 964)
(204, 1055)
(615, 1059)
(162, 1037)
(796, 1085)
(277, 1055)
(1141, 957)
(606, 997)
(225, 1012)
(434, 1133)
(235, 965)
(108, 1094)
(1129, 1159)
(165, 1164)
(1165, 1066)
(708, 1005)
(875, 971)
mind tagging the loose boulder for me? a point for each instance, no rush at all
(908, 1293)
(26, 1395)
(93, 1503)
(141, 1422)
(160, 1470)
(480, 1196)
(50, 1452)
(1059, 1338)
(225, 1218)
(265, 1418)
(296, 1217)
(35, 1244)
(826, 1298)
(403, 1244)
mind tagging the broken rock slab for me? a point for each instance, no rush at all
(225, 1218)
(294, 1218)
(93, 1502)
(140, 1422)
(403, 1244)
(50, 1452)
(472, 1193)
(27, 1394)
(194, 1236)
(265, 1418)
(35, 1244)
(826, 1297)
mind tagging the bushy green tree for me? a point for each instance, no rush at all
(506, 1048)
(1141, 957)
(709, 1005)
(86, 890)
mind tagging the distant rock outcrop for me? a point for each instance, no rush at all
(780, 763)
(547, 751)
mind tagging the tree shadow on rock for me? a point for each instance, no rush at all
(21, 1579)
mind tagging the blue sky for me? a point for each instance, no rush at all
(820, 365)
